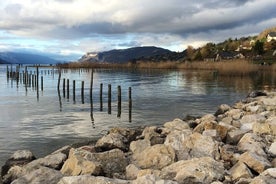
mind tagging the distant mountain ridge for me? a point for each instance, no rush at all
(24, 58)
(125, 55)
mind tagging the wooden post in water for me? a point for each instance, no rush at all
(91, 97)
(67, 88)
(109, 98)
(129, 104)
(59, 76)
(63, 89)
(119, 102)
(37, 79)
(32, 80)
(41, 83)
(8, 73)
(74, 90)
(82, 92)
(101, 97)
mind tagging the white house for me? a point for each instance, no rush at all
(271, 36)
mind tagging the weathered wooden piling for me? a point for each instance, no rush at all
(8, 73)
(91, 97)
(129, 104)
(59, 76)
(101, 97)
(82, 92)
(68, 89)
(109, 98)
(37, 78)
(32, 80)
(119, 102)
(74, 90)
(41, 83)
(63, 87)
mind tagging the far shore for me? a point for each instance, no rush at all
(238, 67)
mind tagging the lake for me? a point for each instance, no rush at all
(43, 121)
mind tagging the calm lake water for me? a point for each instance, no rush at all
(45, 121)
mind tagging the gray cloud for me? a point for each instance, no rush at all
(138, 22)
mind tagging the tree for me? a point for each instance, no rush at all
(190, 52)
(259, 47)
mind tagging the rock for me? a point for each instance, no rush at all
(54, 161)
(272, 149)
(272, 125)
(85, 179)
(155, 157)
(111, 162)
(77, 164)
(222, 109)
(152, 179)
(43, 175)
(247, 121)
(266, 177)
(212, 125)
(154, 135)
(252, 143)
(176, 124)
(129, 133)
(240, 170)
(227, 120)
(81, 162)
(235, 114)
(176, 139)
(18, 158)
(139, 145)
(206, 118)
(144, 172)
(227, 154)
(234, 136)
(261, 128)
(131, 172)
(198, 145)
(255, 162)
(197, 170)
(255, 94)
(112, 141)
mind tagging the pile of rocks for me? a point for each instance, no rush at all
(235, 145)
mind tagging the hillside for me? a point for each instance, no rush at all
(125, 55)
(25, 58)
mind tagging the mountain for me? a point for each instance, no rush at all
(25, 58)
(125, 55)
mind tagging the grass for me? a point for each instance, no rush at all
(227, 67)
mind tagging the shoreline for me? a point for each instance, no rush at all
(235, 144)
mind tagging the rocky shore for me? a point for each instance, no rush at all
(236, 144)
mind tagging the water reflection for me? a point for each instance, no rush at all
(157, 96)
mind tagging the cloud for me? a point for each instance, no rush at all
(108, 24)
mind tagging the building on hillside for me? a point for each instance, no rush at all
(226, 55)
(271, 36)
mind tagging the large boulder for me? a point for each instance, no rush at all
(155, 157)
(197, 170)
(43, 175)
(176, 124)
(154, 135)
(139, 145)
(247, 121)
(252, 143)
(112, 141)
(198, 145)
(255, 162)
(240, 170)
(16, 161)
(81, 162)
(176, 139)
(266, 177)
(77, 164)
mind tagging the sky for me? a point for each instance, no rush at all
(73, 27)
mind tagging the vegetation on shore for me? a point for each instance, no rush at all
(230, 67)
